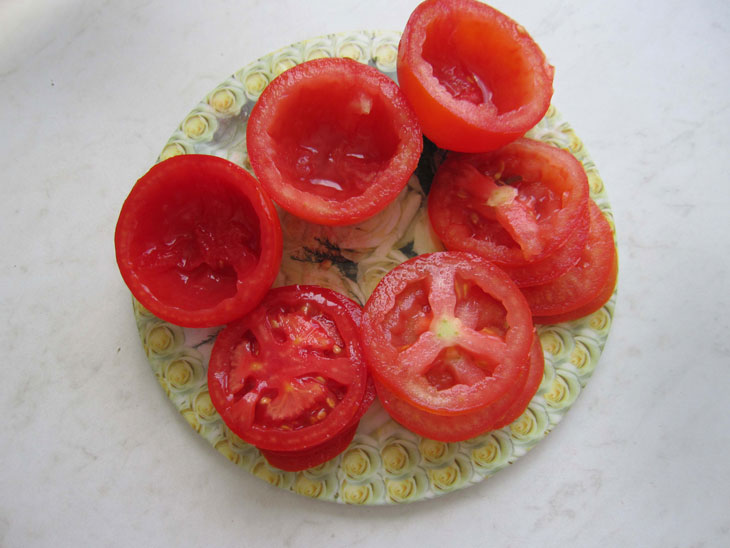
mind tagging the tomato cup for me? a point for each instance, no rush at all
(198, 241)
(333, 141)
(474, 76)
(449, 333)
(522, 207)
(290, 376)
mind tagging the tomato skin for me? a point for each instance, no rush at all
(550, 189)
(586, 283)
(532, 384)
(295, 461)
(290, 375)
(468, 49)
(333, 140)
(455, 428)
(450, 352)
(198, 241)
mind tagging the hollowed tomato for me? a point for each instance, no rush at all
(447, 332)
(333, 141)
(474, 76)
(516, 206)
(290, 375)
(198, 241)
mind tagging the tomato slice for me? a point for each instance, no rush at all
(198, 241)
(474, 76)
(333, 141)
(601, 298)
(447, 332)
(454, 428)
(554, 265)
(290, 375)
(586, 282)
(294, 461)
(514, 206)
(529, 389)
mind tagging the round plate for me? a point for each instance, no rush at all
(385, 463)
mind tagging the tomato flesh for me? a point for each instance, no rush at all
(514, 206)
(294, 461)
(448, 332)
(334, 141)
(474, 76)
(454, 428)
(198, 242)
(283, 384)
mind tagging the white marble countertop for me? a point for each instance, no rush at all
(93, 454)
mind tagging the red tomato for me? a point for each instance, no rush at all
(601, 298)
(198, 242)
(333, 141)
(474, 76)
(453, 428)
(290, 374)
(514, 206)
(294, 461)
(585, 282)
(529, 389)
(447, 332)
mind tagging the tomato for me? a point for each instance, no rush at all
(514, 206)
(294, 461)
(529, 389)
(474, 76)
(593, 305)
(453, 428)
(198, 241)
(447, 332)
(290, 375)
(333, 141)
(584, 283)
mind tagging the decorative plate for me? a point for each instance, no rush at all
(385, 463)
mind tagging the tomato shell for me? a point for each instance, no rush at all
(584, 283)
(333, 141)
(290, 374)
(198, 241)
(547, 187)
(447, 332)
(474, 76)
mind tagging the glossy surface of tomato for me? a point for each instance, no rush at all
(474, 76)
(514, 206)
(586, 281)
(454, 428)
(447, 332)
(290, 375)
(333, 141)
(198, 241)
